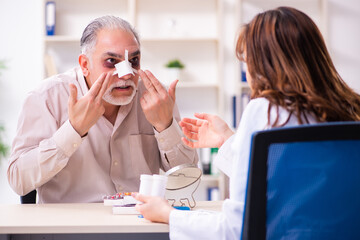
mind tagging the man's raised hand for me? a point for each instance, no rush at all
(84, 112)
(156, 102)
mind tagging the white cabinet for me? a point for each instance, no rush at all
(187, 30)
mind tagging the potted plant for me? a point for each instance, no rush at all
(3, 147)
(2, 65)
(174, 68)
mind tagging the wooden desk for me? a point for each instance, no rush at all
(59, 221)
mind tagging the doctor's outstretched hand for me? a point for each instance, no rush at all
(156, 102)
(206, 131)
(155, 209)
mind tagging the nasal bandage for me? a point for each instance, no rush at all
(124, 68)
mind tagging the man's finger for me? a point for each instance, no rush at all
(73, 94)
(105, 84)
(156, 83)
(143, 103)
(172, 89)
(146, 96)
(95, 88)
(147, 83)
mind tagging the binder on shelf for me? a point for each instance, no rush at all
(213, 194)
(245, 99)
(243, 68)
(237, 109)
(205, 157)
(213, 169)
(50, 18)
(239, 103)
(50, 66)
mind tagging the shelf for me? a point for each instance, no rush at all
(210, 178)
(243, 85)
(64, 38)
(197, 85)
(180, 39)
(279, 2)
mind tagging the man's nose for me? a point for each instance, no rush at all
(127, 76)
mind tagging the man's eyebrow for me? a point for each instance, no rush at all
(111, 54)
(135, 53)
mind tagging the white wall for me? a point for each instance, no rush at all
(20, 45)
(344, 39)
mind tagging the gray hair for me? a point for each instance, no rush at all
(89, 36)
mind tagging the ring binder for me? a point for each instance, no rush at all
(50, 18)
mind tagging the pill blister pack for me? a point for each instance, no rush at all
(122, 203)
(119, 199)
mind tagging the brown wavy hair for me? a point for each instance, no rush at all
(290, 66)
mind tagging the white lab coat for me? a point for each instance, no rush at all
(233, 160)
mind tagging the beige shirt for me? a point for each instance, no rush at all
(50, 156)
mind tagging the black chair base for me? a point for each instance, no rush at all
(29, 198)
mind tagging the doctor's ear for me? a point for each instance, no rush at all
(84, 63)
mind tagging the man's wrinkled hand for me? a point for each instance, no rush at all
(156, 102)
(84, 112)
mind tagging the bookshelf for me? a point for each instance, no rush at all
(188, 30)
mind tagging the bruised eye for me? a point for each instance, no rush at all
(134, 62)
(110, 63)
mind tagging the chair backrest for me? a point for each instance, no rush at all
(28, 198)
(304, 183)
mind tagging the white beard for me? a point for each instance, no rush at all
(123, 100)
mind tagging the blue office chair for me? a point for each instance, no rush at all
(304, 183)
(29, 198)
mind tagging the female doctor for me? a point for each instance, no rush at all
(293, 81)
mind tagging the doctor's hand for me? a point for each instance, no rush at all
(206, 132)
(84, 112)
(155, 209)
(156, 102)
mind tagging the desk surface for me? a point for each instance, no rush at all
(78, 218)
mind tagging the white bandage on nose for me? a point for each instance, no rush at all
(124, 68)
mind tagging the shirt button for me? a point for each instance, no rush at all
(75, 145)
(115, 163)
(161, 139)
(120, 188)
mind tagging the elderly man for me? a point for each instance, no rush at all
(93, 130)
